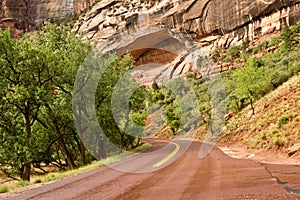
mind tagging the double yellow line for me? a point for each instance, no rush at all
(166, 159)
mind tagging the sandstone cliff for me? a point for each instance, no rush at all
(166, 32)
(24, 15)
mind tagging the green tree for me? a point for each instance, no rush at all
(115, 131)
(249, 83)
(35, 73)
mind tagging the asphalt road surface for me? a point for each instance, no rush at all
(174, 171)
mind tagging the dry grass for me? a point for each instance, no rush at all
(276, 124)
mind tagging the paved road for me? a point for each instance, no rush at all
(162, 176)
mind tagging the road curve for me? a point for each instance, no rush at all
(180, 175)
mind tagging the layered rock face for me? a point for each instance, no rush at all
(24, 15)
(164, 32)
(170, 32)
(197, 18)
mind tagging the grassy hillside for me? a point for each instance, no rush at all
(276, 124)
(263, 68)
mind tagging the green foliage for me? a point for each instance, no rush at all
(4, 189)
(278, 140)
(37, 75)
(234, 51)
(289, 36)
(252, 143)
(255, 50)
(260, 76)
(245, 44)
(247, 84)
(22, 183)
(274, 41)
(119, 124)
(282, 120)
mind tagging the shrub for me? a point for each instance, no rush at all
(278, 140)
(252, 143)
(263, 135)
(255, 50)
(282, 120)
(265, 44)
(274, 41)
(38, 181)
(233, 51)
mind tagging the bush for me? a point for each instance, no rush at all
(252, 143)
(263, 135)
(274, 42)
(278, 140)
(234, 51)
(265, 44)
(255, 50)
(282, 120)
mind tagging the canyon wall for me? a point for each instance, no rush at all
(162, 31)
(149, 29)
(25, 15)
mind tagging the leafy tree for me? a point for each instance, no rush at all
(34, 72)
(115, 131)
(249, 82)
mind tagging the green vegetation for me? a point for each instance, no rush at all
(261, 75)
(37, 127)
(36, 83)
(252, 81)
(4, 189)
(249, 84)
(37, 75)
(57, 175)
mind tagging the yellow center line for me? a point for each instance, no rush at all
(166, 159)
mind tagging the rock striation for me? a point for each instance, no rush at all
(164, 32)
(24, 15)
(140, 28)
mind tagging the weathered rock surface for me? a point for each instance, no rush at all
(23, 15)
(140, 28)
(164, 32)
(293, 149)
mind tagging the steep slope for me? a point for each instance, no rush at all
(276, 124)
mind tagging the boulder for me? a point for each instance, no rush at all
(293, 149)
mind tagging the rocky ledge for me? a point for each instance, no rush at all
(169, 34)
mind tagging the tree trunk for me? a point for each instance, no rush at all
(252, 106)
(67, 155)
(138, 142)
(82, 153)
(80, 132)
(102, 152)
(61, 143)
(26, 172)
(63, 147)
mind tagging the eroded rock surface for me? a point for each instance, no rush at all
(24, 15)
(138, 27)
(164, 32)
